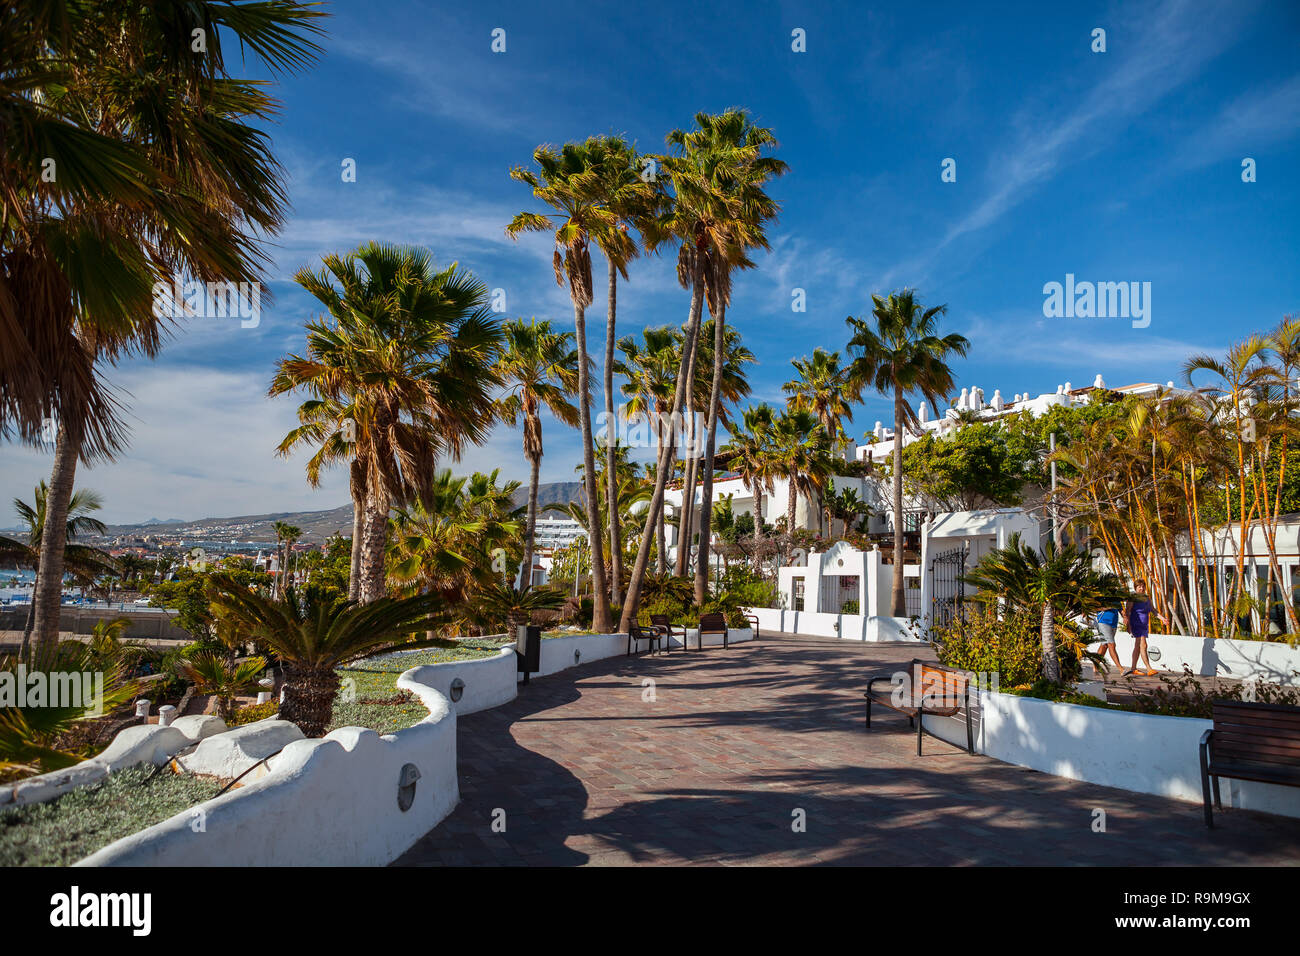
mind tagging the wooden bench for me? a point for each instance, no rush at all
(662, 623)
(711, 624)
(929, 688)
(1249, 741)
(651, 635)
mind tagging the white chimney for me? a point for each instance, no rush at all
(1097, 382)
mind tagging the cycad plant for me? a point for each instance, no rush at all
(503, 605)
(313, 633)
(1057, 584)
(214, 673)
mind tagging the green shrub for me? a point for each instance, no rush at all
(1186, 696)
(850, 607)
(1010, 646)
(253, 712)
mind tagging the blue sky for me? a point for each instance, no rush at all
(1115, 166)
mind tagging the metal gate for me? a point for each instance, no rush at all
(946, 586)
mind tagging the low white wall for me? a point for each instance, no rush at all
(855, 627)
(333, 801)
(1146, 753)
(326, 802)
(488, 681)
(1267, 661)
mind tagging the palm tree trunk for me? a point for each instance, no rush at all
(710, 445)
(357, 485)
(309, 698)
(758, 518)
(686, 521)
(791, 504)
(600, 597)
(633, 598)
(535, 465)
(47, 594)
(898, 604)
(611, 447)
(661, 542)
(374, 537)
(1051, 663)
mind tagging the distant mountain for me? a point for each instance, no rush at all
(316, 525)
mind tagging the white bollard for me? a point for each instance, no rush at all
(166, 714)
(142, 707)
(264, 697)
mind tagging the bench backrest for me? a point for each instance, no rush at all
(1256, 734)
(660, 620)
(939, 686)
(713, 623)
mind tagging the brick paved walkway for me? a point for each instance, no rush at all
(736, 741)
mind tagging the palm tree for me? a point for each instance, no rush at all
(539, 367)
(411, 353)
(634, 202)
(823, 388)
(150, 186)
(802, 456)
(717, 212)
(1241, 377)
(650, 370)
(285, 536)
(313, 634)
(501, 604)
(81, 561)
(570, 182)
(901, 355)
(213, 673)
(734, 385)
(1058, 583)
(751, 454)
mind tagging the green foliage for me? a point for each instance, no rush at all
(974, 467)
(1010, 647)
(1027, 436)
(850, 607)
(1045, 690)
(252, 713)
(70, 828)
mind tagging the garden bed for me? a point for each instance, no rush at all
(70, 828)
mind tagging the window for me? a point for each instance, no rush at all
(797, 595)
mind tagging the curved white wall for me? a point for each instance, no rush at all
(488, 681)
(1268, 661)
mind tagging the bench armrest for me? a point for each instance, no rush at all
(871, 682)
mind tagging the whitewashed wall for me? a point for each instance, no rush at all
(1268, 661)
(854, 627)
(1146, 753)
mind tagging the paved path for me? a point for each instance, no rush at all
(715, 768)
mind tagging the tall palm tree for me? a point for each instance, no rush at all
(162, 172)
(539, 368)
(823, 388)
(634, 202)
(902, 354)
(81, 561)
(331, 426)
(733, 386)
(569, 181)
(411, 352)
(718, 211)
(1058, 583)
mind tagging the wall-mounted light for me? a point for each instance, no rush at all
(457, 690)
(577, 655)
(406, 781)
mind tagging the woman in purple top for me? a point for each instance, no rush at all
(1138, 613)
